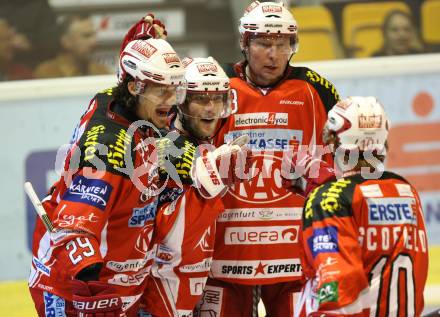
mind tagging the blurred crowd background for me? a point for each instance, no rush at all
(61, 38)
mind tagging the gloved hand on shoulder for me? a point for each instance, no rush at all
(301, 172)
(145, 28)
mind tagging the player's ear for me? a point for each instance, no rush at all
(131, 86)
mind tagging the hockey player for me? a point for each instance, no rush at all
(184, 257)
(364, 238)
(256, 254)
(103, 208)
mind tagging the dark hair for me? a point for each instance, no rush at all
(123, 96)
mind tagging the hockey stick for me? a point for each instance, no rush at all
(29, 189)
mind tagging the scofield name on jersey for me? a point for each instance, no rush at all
(93, 192)
(265, 139)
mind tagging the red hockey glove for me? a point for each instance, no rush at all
(301, 172)
(214, 171)
(145, 28)
(96, 299)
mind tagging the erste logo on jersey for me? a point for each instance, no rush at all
(323, 240)
(261, 119)
(142, 215)
(392, 211)
(261, 235)
(93, 192)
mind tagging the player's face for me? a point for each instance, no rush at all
(268, 56)
(155, 103)
(203, 112)
(399, 35)
(80, 39)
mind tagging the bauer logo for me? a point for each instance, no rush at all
(141, 215)
(323, 240)
(391, 211)
(93, 192)
(261, 119)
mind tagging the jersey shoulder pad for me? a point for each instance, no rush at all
(326, 90)
(105, 145)
(102, 100)
(107, 92)
(176, 154)
(391, 175)
(331, 199)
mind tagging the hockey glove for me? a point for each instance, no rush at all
(214, 171)
(210, 170)
(301, 172)
(96, 299)
(145, 28)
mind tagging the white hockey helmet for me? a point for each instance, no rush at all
(152, 61)
(270, 18)
(207, 80)
(359, 123)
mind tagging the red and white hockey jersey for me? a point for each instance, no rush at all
(103, 208)
(365, 249)
(185, 237)
(257, 234)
